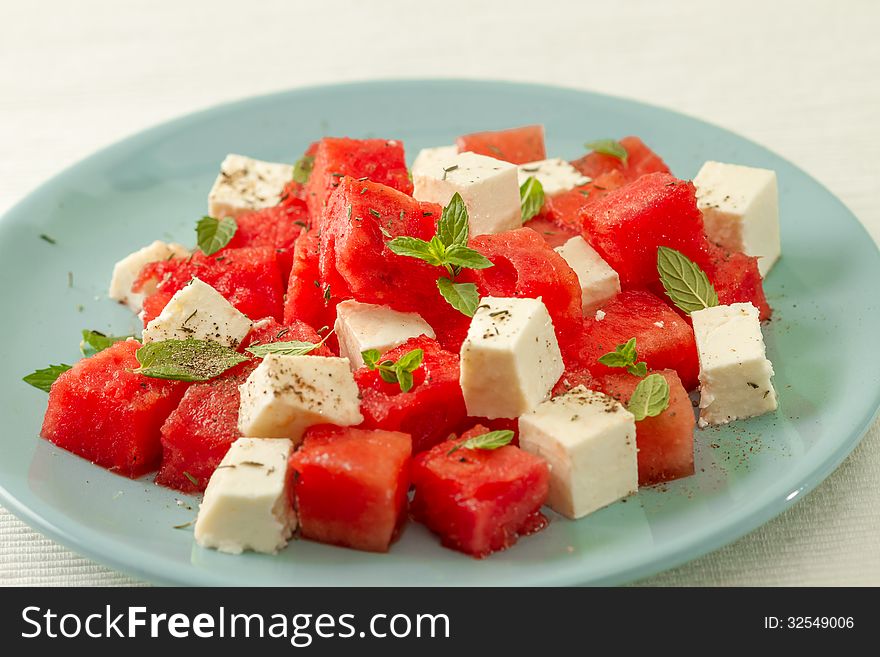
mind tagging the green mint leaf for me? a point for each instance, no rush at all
(410, 361)
(44, 378)
(371, 358)
(303, 169)
(413, 247)
(94, 341)
(388, 373)
(531, 198)
(291, 348)
(453, 225)
(609, 147)
(686, 285)
(463, 256)
(405, 380)
(213, 234)
(639, 369)
(391, 372)
(650, 398)
(490, 440)
(625, 355)
(461, 296)
(186, 360)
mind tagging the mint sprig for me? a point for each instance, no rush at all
(400, 372)
(302, 170)
(461, 296)
(610, 147)
(686, 285)
(650, 398)
(625, 356)
(44, 378)
(186, 360)
(289, 348)
(490, 440)
(94, 341)
(213, 234)
(531, 198)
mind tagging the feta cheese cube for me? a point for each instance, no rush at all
(246, 505)
(734, 370)
(487, 186)
(429, 159)
(126, 271)
(740, 209)
(599, 282)
(589, 439)
(285, 395)
(363, 326)
(199, 311)
(510, 359)
(555, 175)
(245, 184)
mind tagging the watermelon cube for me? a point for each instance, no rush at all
(350, 486)
(479, 501)
(736, 279)
(104, 412)
(248, 278)
(664, 339)
(640, 161)
(430, 411)
(308, 298)
(276, 227)
(516, 145)
(378, 160)
(567, 209)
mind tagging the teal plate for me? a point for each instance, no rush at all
(154, 185)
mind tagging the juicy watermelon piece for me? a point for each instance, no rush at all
(430, 411)
(197, 435)
(516, 145)
(555, 234)
(269, 330)
(628, 224)
(248, 278)
(736, 279)
(664, 339)
(276, 227)
(526, 266)
(666, 441)
(378, 160)
(479, 501)
(640, 161)
(350, 486)
(104, 412)
(566, 210)
(307, 297)
(295, 191)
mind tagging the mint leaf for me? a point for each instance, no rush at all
(452, 229)
(44, 378)
(686, 285)
(391, 372)
(302, 170)
(414, 247)
(489, 440)
(650, 398)
(609, 147)
(186, 360)
(463, 256)
(291, 348)
(638, 369)
(625, 355)
(94, 341)
(461, 296)
(531, 198)
(371, 358)
(411, 360)
(213, 234)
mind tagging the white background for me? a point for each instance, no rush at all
(799, 77)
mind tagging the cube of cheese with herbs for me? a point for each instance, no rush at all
(430, 158)
(247, 504)
(740, 209)
(555, 175)
(363, 326)
(599, 282)
(285, 395)
(488, 187)
(200, 312)
(510, 359)
(734, 370)
(126, 271)
(245, 184)
(589, 439)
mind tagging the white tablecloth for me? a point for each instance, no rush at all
(798, 76)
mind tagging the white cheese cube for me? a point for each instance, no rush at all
(555, 175)
(734, 370)
(286, 395)
(740, 209)
(429, 159)
(200, 312)
(599, 282)
(245, 184)
(126, 271)
(246, 504)
(487, 186)
(363, 326)
(510, 359)
(589, 439)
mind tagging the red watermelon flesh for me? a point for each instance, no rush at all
(628, 225)
(307, 297)
(567, 209)
(104, 412)
(350, 486)
(270, 330)
(553, 233)
(248, 278)
(664, 339)
(430, 411)
(479, 501)
(378, 160)
(640, 161)
(295, 191)
(516, 145)
(736, 279)
(276, 227)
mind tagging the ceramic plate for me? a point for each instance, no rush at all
(154, 185)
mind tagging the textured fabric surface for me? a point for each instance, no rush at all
(798, 77)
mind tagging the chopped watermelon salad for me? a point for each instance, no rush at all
(483, 343)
